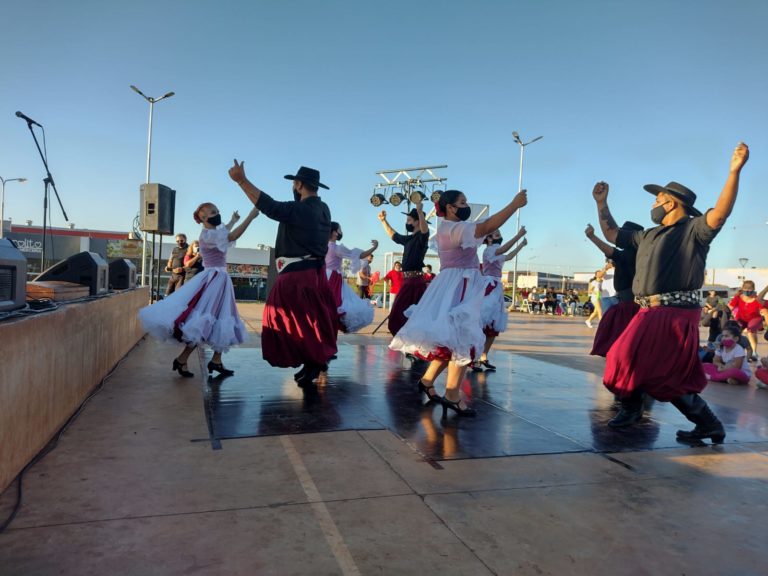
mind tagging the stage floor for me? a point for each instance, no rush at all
(527, 406)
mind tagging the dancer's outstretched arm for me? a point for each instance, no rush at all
(371, 250)
(605, 248)
(504, 247)
(233, 220)
(497, 220)
(607, 223)
(237, 232)
(423, 227)
(719, 214)
(515, 252)
(387, 228)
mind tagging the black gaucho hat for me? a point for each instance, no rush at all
(309, 176)
(413, 214)
(685, 195)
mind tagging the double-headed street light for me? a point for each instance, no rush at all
(522, 145)
(2, 199)
(151, 101)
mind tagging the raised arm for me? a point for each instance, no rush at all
(237, 232)
(237, 173)
(387, 228)
(233, 220)
(498, 219)
(504, 247)
(423, 227)
(607, 223)
(606, 249)
(374, 245)
(719, 214)
(515, 252)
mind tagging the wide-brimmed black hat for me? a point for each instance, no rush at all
(309, 176)
(632, 226)
(685, 195)
(413, 214)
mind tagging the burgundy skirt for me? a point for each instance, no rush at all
(298, 325)
(612, 325)
(410, 293)
(657, 354)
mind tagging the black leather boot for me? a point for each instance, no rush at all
(631, 411)
(697, 411)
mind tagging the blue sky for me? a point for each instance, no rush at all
(627, 92)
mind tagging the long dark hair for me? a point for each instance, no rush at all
(334, 227)
(447, 197)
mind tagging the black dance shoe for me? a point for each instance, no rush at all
(434, 397)
(455, 406)
(219, 368)
(488, 366)
(300, 374)
(475, 366)
(180, 368)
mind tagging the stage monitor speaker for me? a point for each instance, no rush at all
(122, 274)
(158, 206)
(13, 276)
(86, 268)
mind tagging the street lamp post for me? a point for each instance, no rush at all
(522, 145)
(743, 262)
(2, 200)
(151, 101)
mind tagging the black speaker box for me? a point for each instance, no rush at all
(86, 268)
(13, 276)
(158, 206)
(122, 274)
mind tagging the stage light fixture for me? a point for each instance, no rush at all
(378, 199)
(435, 197)
(416, 196)
(396, 199)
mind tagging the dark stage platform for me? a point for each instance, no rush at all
(528, 406)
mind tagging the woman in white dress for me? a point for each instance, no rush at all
(203, 311)
(446, 327)
(494, 312)
(354, 313)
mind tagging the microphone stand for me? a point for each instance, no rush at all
(48, 182)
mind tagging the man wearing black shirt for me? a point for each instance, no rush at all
(297, 327)
(175, 264)
(414, 249)
(658, 352)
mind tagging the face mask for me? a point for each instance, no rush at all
(296, 195)
(409, 227)
(657, 214)
(463, 213)
(727, 342)
(496, 240)
(339, 236)
(750, 292)
(214, 220)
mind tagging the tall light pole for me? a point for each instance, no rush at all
(522, 145)
(2, 200)
(151, 101)
(743, 262)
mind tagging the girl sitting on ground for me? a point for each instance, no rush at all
(730, 362)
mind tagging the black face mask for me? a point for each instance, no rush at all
(214, 220)
(749, 292)
(409, 227)
(339, 236)
(296, 195)
(496, 240)
(463, 213)
(657, 214)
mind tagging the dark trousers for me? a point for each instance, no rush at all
(175, 282)
(365, 292)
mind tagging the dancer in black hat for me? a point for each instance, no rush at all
(618, 317)
(658, 351)
(298, 326)
(414, 249)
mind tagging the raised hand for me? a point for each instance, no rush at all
(520, 199)
(375, 244)
(524, 242)
(235, 216)
(740, 157)
(600, 192)
(590, 231)
(383, 215)
(237, 171)
(522, 231)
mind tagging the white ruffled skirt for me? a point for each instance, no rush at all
(493, 312)
(356, 312)
(202, 311)
(446, 319)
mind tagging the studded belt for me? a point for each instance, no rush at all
(679, 299)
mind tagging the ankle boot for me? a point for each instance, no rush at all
(631, 411)
(697, 411)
